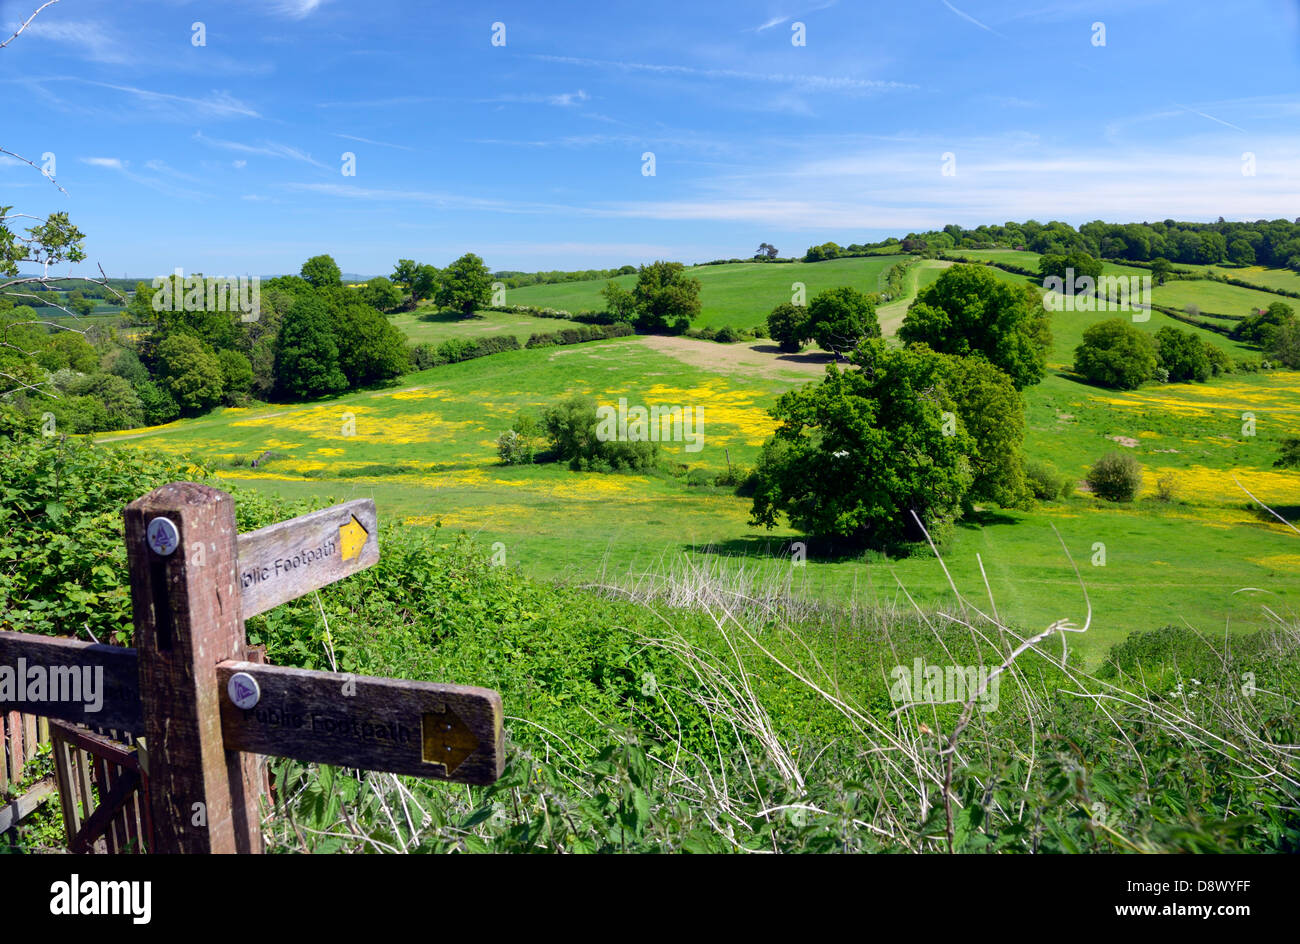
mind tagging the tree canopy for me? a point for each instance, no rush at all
(839, 318)
(306, 353)
(466, 285)
(787, 325)
(1182, 354)
(667, 299)
(321, 271)
(1260, 327)
(970, 310)
(1113, 353)
(856, 454)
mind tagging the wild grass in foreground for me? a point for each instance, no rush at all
(769, 726)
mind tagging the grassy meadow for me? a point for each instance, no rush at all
(1284, 279)
(739, 294)
(428, 325)
(426, 452)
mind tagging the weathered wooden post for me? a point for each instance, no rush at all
(182, 549)
(207, 704)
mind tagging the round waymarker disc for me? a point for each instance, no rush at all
(162, 536)
(243, 690)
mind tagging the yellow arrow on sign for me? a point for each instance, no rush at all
(353, 538)
(446, 739)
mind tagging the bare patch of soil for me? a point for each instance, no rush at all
(762, 357)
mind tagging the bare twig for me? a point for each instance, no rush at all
(27, 22)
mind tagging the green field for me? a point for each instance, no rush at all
(426, 454)
(1028, 260)
(1215, 297)
(1284, 279)
(430, 326)
(739, 294)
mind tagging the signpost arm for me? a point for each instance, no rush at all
(186, 598)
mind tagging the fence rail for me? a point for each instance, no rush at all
(21, 736)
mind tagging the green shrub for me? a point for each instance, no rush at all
(1183, 355)
(1261, 326)
(458, 349)
(424, 356)
(571, 426)
(513, 449)
(1044, 481)
(518, 445)
(1289, 458)
(698, 477)
(788, 326)
(1116, 354)
(1220, 361)
(732, 477)
(580, 335)
(1116, 477)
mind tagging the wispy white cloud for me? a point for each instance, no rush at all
(568, 98)
(970, 19)
(214, 105)
(797, 80)
(396, 100)
(1264, 111)
(265, 149)
(353, 137)
(778, 20)
(162, 167)
(685, 142)
(154, 183)
(101, 42)
(442, 199)
(1012, 101)
(1226, 124)
(296, 9)
(562, 99)
(97, 41)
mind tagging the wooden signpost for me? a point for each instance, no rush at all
(286, 560)
(206, 705)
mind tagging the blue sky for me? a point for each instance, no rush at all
(227, 158)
